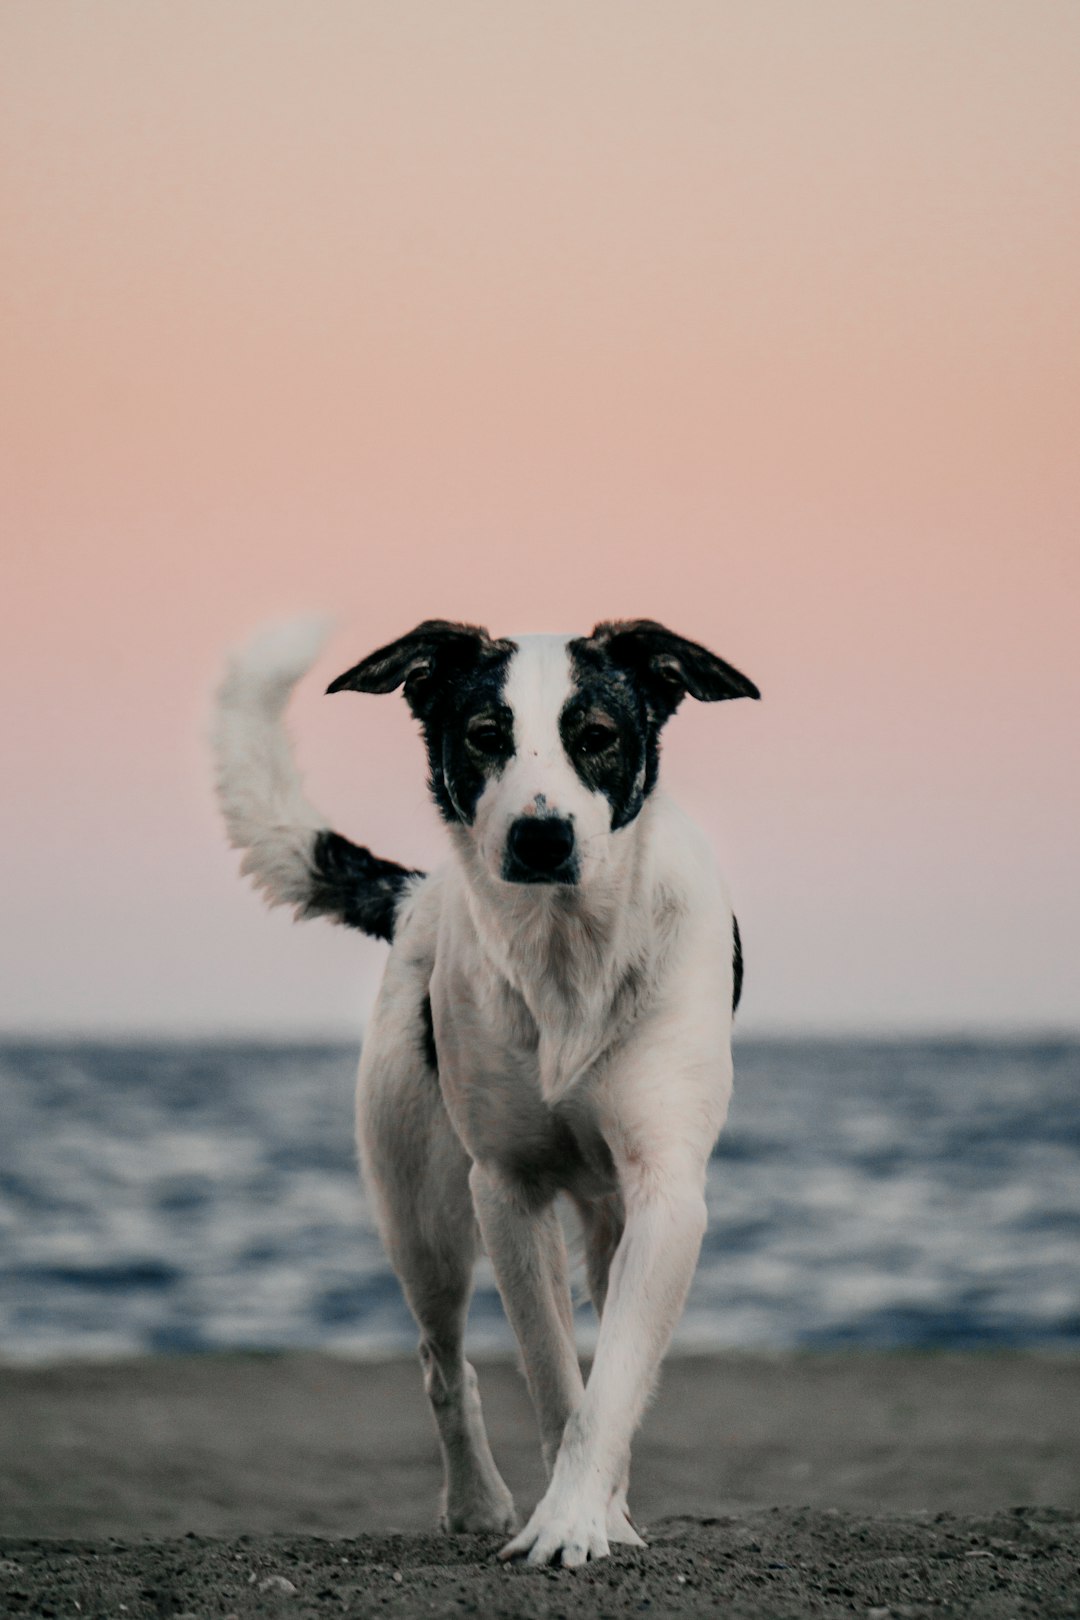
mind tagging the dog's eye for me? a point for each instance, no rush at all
(487, 740)
(594, 739)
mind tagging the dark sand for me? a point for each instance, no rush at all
(807, 1485)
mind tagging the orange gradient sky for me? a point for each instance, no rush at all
(761, 319)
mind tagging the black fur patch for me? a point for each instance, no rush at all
(736, 963)
(625, 770)
(634, 674)
(427, 1036)
(453, 676)
(458, 771)
(548, 1166)
(355, 886)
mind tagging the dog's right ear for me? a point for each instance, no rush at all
(436, 651)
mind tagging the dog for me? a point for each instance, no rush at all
(555, 1017)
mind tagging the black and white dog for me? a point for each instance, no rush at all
(555, 1017)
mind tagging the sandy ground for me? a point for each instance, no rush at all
(768, 1486)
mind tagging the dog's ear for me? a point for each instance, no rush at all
(436, 651)
(668, 666)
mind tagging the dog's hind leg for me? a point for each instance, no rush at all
(602, 1221)
(417, 1173)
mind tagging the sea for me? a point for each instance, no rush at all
(167, 1197)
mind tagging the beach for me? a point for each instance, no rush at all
(780, 1484)
(892, 1427)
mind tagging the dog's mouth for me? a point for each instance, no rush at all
(568, 874)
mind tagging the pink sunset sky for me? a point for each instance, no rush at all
(761, 319)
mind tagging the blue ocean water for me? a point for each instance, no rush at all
(198, 1196)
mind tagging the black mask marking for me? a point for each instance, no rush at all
(630, 677)
(453, 676)
(607, 734)
(469, 734)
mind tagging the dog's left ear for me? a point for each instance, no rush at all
(436, 651)
(668, 666)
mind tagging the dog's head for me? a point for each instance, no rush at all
(547, 746)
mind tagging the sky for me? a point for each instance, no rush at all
(761, 320)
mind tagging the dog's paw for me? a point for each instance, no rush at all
(494, 1514)
(620, 1526)
(567, 1533)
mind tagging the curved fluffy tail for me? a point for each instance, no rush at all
(289, 851)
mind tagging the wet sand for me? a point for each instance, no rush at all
(787, 1485)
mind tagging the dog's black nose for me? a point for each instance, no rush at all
(540, 849)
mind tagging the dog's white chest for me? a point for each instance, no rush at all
(518, 1088)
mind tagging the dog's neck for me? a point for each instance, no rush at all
(581, 958)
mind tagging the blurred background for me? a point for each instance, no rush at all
(758, 320)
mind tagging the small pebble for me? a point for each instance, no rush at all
(398, 1576)
(277, 1583)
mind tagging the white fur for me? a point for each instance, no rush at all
(597, 1016)
(259, 789)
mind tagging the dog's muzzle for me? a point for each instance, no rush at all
(540, 849)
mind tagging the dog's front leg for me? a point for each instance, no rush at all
(649, 1281)
(528, 1252)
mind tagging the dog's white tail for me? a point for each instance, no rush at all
(289, 851)
(266, 812)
